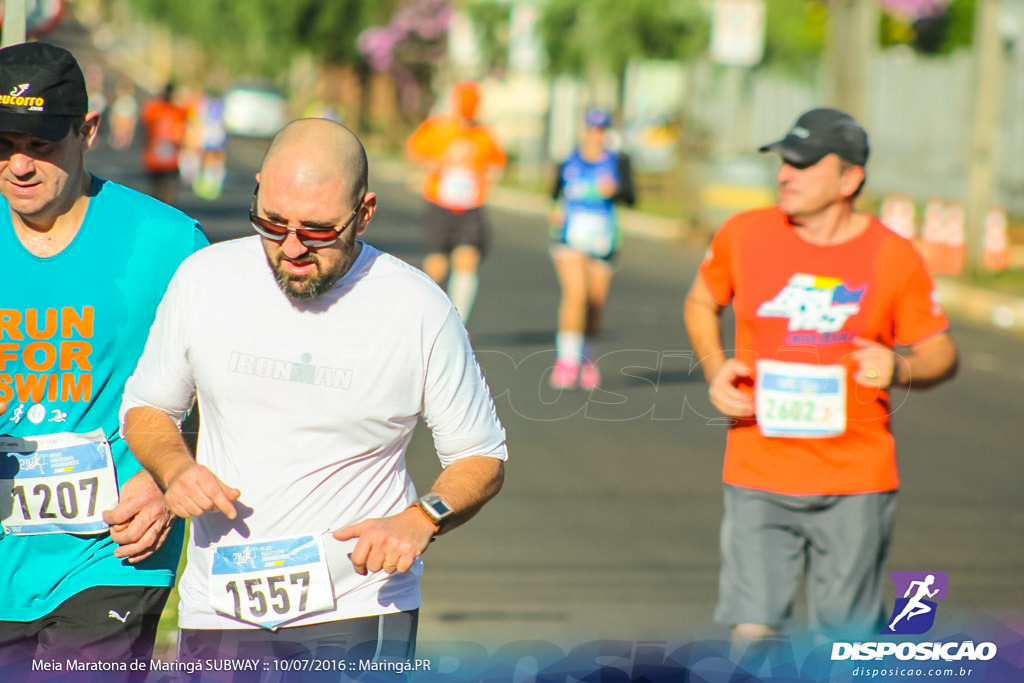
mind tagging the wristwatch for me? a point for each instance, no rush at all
(435, 508)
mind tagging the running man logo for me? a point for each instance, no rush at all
(815, 303)
(246, 558)
(914, 613)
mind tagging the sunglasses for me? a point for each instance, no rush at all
(309, 237)
(800, 165)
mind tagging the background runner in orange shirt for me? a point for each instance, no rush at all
(164, 123)
(463, 159)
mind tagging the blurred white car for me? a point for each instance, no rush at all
(254, 111)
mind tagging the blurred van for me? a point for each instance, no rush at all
(254, 110)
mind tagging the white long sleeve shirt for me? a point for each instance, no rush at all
(308, 408)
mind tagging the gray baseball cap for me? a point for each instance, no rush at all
(819, 132)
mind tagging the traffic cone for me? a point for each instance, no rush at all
(933, 233)
(954, 253)
(897, 214)
(996, 255)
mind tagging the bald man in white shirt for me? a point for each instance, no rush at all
(313, 355)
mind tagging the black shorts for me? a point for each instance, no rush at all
(106, 624)
(446, 229)
(162, 177)
(335, 649)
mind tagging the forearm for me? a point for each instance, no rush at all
(929, 363)
(467, 484)
(155, 440)
(703, 326)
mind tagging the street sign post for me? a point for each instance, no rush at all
(24, 19)
(13, 23)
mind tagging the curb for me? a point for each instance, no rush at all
(984, 307)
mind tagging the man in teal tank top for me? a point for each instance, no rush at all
(87, 548)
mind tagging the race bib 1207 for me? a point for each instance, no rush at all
(58, 483)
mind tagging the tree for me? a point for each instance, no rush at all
(262, 37)
(931, 27)
(583, 36)
(410, 47)
(491, 20)
(795, 36)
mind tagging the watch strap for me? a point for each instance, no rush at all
(430, 519)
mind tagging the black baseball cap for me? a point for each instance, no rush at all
(819, 132)
(42, 90)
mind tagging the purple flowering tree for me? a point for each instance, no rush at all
(410, 48)
(914, 9)
(932, 27)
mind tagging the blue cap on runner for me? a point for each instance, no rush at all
(598, 118)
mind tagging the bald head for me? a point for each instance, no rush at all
(317, 153)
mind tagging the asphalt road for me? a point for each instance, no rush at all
(607, 526)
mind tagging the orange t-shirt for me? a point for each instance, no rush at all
(164, 123)
(802, 303)
(460, 156)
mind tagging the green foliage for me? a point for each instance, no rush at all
(796, 33)
(491, 19)
(939, 35)
(579, 35)
(605, 34)
(558, 30)
(894, 30)
(260, 37)
(795, 36)
(961, 24)
(329, 29)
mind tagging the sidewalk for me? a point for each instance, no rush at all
(976, 305)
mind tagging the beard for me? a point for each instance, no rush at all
(311, 286)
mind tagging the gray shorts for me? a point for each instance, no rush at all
(838, 543)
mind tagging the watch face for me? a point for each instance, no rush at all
(437, 506)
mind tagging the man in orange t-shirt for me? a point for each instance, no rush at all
(164, 124)
(821, 294)
(463, 159)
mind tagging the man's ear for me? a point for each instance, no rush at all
(90, 128)
(853, 177)
(366, 212)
